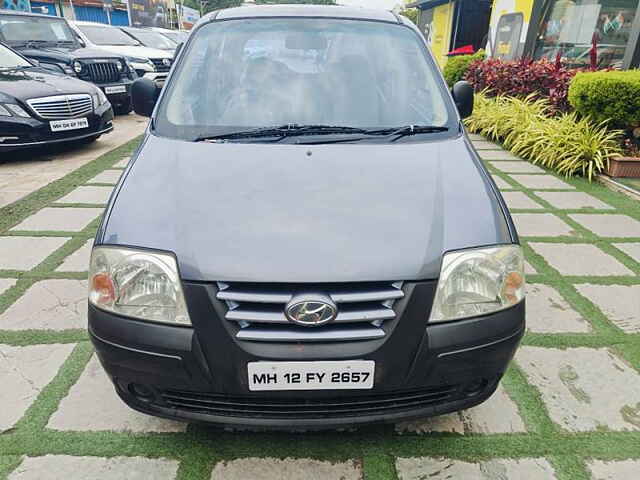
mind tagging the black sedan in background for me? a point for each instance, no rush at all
(39, 107)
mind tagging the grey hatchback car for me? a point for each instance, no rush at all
(305, 237)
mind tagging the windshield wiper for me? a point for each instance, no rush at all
(415, 130)
(396, 132)
(283, 131)
(15, 68)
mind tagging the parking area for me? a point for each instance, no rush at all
(24, 171)
(568, 408)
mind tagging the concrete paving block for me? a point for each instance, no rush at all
(78, 261)
(108, 176)
(439, 468)
(517, 167)
(572, 200)
(123, 163)
(484, 145)
(631, 249)
(289, 469)
(66, 467)
(6, 284)
(497, 155)
(608, 225)
(548, 312)
(49, 305)
(519, 200)
(88, 194)
(620, 303)
(615, 470)
(580, 259)
(501, 184)
(60, 219)
(541, 225)
(499, 414)
(537, 182)
(584, 389)
(93, 405)
(25, 371)
(24, 253)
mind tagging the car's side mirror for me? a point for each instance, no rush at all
(144, 95)
(463, 96)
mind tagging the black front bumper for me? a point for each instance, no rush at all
(17, 132)
(200, 373)
(120, 99)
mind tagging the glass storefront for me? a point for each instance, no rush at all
(571, 26)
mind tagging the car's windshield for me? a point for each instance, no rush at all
(177, 37)
(9, 59)
(18, 29)
(267, 72)
(151, 39)
(107, 35)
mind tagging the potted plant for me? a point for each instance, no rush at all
(627, 165)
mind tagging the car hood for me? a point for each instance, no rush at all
(38, 82)
(65, 55)
(301, 213)
(142, 52)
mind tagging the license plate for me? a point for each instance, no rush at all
(346, 375)
(116, 89)
(71, 124)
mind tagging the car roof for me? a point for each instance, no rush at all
(27, 14)
(93, 24)
(332, 11)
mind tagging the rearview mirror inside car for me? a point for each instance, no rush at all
(305, 41)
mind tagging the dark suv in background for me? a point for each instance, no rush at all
(51, 42)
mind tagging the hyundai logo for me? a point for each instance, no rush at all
(166, 62)
(311, 312)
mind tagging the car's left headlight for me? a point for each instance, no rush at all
(137, 283)
(478, 281)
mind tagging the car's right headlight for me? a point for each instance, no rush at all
(99, 98)
(136, 283)
(478, 281)
(138, 60)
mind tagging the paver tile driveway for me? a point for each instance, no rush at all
(569, 406)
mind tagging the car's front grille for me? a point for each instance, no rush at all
(259, 310)
(160, 65)
(62, 106)
(101, 72)
(341, 406)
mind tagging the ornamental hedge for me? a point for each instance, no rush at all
(456, 67)
(523, 78)
(612, 97)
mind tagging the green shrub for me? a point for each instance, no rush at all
(565, 143)
(611, 96)
(456, 67)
